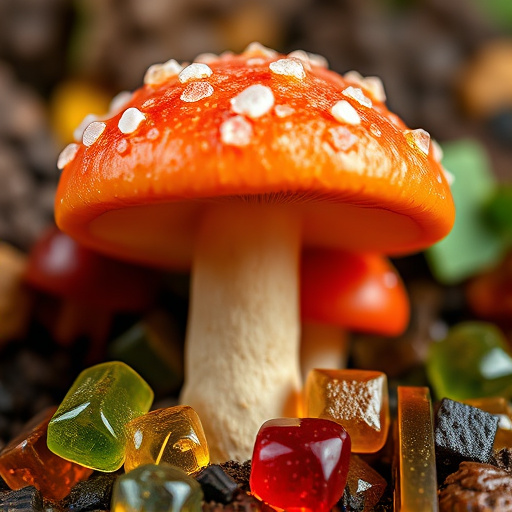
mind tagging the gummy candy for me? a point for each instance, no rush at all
(173, 435)
(89, 426)
(300, 463)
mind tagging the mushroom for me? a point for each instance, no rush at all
(90, 289)
(342, 291)
(232, 165)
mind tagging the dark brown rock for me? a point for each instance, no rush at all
(240, 472)
(477, 487)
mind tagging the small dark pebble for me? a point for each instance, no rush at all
(462, 433)
(28, 499)
(217, 485)
(92, 494)
(477, 487)
(243, 502)
(240, 472)
(386, 503)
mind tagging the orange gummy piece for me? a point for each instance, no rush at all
(357, 399)
(416, 483)
(26, 460)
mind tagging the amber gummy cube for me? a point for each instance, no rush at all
(357, 399)
(416, 482)
(173, 435)
(26, 460)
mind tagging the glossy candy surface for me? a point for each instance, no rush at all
(416, 484)
(27, 461)
(152, 488)
(89, 426)
(173, 435)
(300, 463)
(357, 399)
(473, 361)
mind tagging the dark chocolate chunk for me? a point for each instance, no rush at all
(477, 487)
(240, 472)
(217, 485)
(92, 494)
(28, 499)
(462, 433)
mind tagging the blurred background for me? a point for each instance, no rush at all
(446, 66)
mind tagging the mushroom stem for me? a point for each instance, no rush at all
(322, 346)
(242, 349)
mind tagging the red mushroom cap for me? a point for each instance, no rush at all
(256, 127)
(59, 266)
(361, 292)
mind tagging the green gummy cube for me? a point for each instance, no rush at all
(473, 361)
(89, 427)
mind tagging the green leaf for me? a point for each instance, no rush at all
(472, 245)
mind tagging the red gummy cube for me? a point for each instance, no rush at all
(300, 463)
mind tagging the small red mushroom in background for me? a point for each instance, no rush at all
(89, 289)
(231, 166)
(343, 291)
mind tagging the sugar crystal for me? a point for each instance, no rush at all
(119, 101)
(357, 94)
(344, 112)
(255, 61)
(283, 110)
(236, 131)
(159, 73)
(196, 91)
(255, 101)
(342, 138)
(195, 71)
(93, 132)
(288, 67)
(67, 155)
(206, 58)
(86, 121)
(258, 50)
(302, 56)
(372, 84)
(318, 60)
(130, 120)
(418, 138)
(122, 146)
(153, 133)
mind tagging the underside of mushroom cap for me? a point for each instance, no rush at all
(259, 128)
